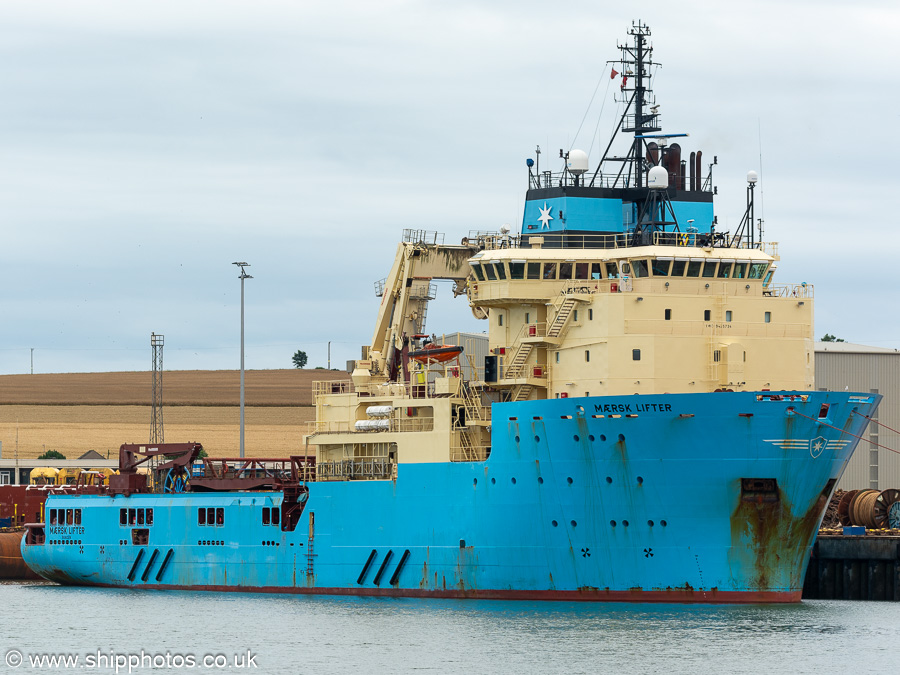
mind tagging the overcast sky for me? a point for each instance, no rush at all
(145, 146)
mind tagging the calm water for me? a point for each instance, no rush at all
(362, 635)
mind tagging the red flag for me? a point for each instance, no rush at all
(624, 82)
(613, 74)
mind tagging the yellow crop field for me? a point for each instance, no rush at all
(74, 413)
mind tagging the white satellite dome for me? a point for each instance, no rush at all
(752, 177)
(657, 178)
(578, 162)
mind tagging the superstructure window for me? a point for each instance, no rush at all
(500, 319)
(565, 270)
(740, 271)
(201, 516)
(575, 315)
(693, 268)
(78, 516)
(640, 268)
(501, 270)
(582, 270)
(489, 272)
(660, 267)
(757, 270)
(668, 315)
(706, 314)
(534, 270)
(678, 268)
(516, 269)
(549, 270)
(590, 315)
(728, 315)
(596, 271)
(635, 354)
(724, 270)
(768, 317)
(612, 271)
(709, 269)
(478, 273)
(587, 354)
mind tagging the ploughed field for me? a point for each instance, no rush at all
(77, 412)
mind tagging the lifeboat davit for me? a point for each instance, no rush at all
(436, 353)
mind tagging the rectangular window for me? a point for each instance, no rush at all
(517, 270)
(724, 270)
(210, 516)
(478, 273)
(583, 270)
(499, 319)
(575, 315)
(587, 355)
(768, 317)
(140, 537)
(132, 516)
(265, 515)
(201, 516)
(706, 314)
(501, 270)
(661, 267)
(740, 271)
(70, 517)
(709, 269)
(78, 516)
(596, 270)
(757, 270)
(489, 272)
(549, 270)
(140, 520)
(728, 315)
(635, 354)
(149, 516)
(612, 271)
(590, 315)
(678, 268)
(53, 516)
(668, 315)
(123, 516)
(557, 357)
(640, 268)
(220, 516)
(534, 270)
(527, 317)
(276, 515)
(565, 270)
(693, 268)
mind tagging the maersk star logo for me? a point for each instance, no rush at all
(545, 216)
(816, 446)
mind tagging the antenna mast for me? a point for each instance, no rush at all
(156, 414)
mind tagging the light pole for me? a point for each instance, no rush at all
(243, 276)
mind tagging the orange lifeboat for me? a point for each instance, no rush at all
(436, 353)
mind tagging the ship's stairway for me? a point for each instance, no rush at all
(477, 415)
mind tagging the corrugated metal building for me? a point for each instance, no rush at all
(844, 366)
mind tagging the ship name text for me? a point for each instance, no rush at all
(627, 407)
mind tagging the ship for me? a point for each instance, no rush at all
(644, 425)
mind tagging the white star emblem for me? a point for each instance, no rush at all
(816, 446)
(545, 216)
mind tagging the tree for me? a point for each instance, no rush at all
(52, 454)
(299, 359)
(831, 338)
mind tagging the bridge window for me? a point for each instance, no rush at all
(489, 272)
(640, 268)
(693, 268)
(596, 272)
(201, 516)
(220, 516)
(149, 518)
(478, 273)
(549, 270)
(265, 515)
(534, 270)
(757, 270)
(140, 516)
(724, 270)
(740, 271)
(501, 270)
(709, 269)
(582, 270)
(132, 516)
(210, 516)
(78, 516)
(565, 270)
(678, 268)
(70, 517)
(517, 269)
(660, 267)
(123, 516)
(612, 271)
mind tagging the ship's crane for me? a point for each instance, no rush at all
(420, 259)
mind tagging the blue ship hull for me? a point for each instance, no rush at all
(685, 497)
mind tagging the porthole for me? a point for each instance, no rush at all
(625, 523)
(591, 438)
(540, 481)
(609, 479)
(474, 482)
(576, 438)
(650, 523)
(640, 480)
(569, 480)
(517, 439)
(573, 523)
(493, 481)
(602, 437)
(554, 523)
(663, 523)
(513, 480)
(612, 523)
(537, 439)
(621, 438)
